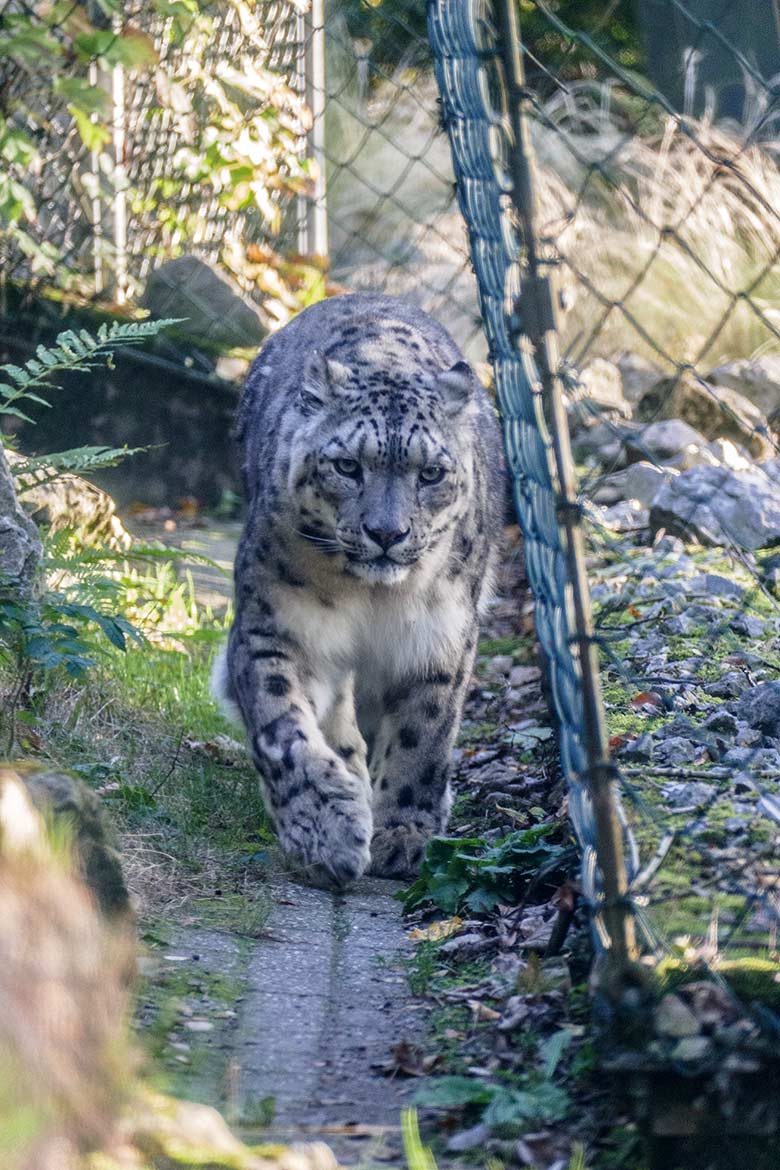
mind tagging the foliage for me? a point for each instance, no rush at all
(72, 351)
(396, 27)
(57, 628)
(508, 1109)
(470, 874)
(232, 129)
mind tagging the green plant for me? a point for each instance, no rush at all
(71, 351)
(473, 875)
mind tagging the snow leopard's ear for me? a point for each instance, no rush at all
(456, 387)
(322, 378)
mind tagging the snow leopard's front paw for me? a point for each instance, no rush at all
(332, 846)
(398, 852)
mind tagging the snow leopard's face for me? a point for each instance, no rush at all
(384, 467)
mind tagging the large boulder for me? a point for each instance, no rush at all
(20, 546)
(209, 304)
(720, 506)
(756, 378)
(61, 797)
(717, 412)
(63, 500)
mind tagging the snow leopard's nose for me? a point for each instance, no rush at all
(386, 537)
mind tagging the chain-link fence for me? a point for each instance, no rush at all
(640, 179)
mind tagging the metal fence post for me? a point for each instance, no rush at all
(540, 328)
(313, 209)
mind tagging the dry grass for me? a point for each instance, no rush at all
(676, 228)
(682, 230)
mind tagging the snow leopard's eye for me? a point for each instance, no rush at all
(432, 474)
(348, 467)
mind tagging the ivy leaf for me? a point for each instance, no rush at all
(92, 134)
(92, 99)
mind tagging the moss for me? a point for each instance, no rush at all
(751, 979)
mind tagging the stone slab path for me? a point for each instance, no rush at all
(323, 1000)
(324, 996)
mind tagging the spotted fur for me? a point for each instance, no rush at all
(372, 469)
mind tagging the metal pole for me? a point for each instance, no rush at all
(317, 206)
(537, 307)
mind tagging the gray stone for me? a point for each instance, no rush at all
(626, 516)
(715, 585)
(717, 412)
(751, 627)
(683, 794)
(675, 750)
(675, 1018)
(63, 796)
(637, 375)
(20, 548)
(720, 720)
(670, 441)
(210, 304)
(644, 481)
(729, 686)
(757, 378)
(692, 1049)
(731, 454)
(760, 707)
(69, 501)
(601, 385)
(604, 444)
(721, 507)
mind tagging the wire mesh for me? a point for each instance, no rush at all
(658, 213)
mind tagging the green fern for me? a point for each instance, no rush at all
(72, 351)
(42, 469)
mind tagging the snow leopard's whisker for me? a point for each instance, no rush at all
(325, 541)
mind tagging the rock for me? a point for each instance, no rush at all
(65, 797)
(469, 1139)
(684, 793)
(210, 303)
(715, 585)
(756, 378)
(604, 443)
(730, 454)
(717, 412)
(68, 501)
(20, 548)
(520, 676)
(729, 686)
(600, 386)
(675, 1018)
(760, 707)
(639, 481)
(721, 507)
(626, 516)
(637, 375)
(670, 441)
(722, 721)
(675, 750)
(692, 1048)
(499, 666)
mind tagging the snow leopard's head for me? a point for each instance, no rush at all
(382, 463)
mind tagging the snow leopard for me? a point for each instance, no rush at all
(372, 468)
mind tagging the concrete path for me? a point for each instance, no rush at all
(321, 1001)
(324, 995)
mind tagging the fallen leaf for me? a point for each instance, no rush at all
(444, 928)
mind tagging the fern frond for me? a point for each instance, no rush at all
(43, 469)
(71, 351)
